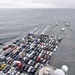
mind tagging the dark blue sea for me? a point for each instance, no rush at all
(17, 22)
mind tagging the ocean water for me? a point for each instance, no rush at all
(16, 22)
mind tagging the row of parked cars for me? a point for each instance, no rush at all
(28, 54)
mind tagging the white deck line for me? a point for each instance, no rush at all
(39, 30)
(33, 30)
(45, 30)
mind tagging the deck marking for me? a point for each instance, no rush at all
(33, 30)
(45, 30)
(38, 31)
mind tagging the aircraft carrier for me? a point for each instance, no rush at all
(65, 53)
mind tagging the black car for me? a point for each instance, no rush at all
(26, 68)
(6, 69)
(33, 70)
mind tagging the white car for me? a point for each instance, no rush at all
(67, 23)
(62, 29)
(36, 65)
(29, 68)
(55, 49)
(29, 62)
(50, 53)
